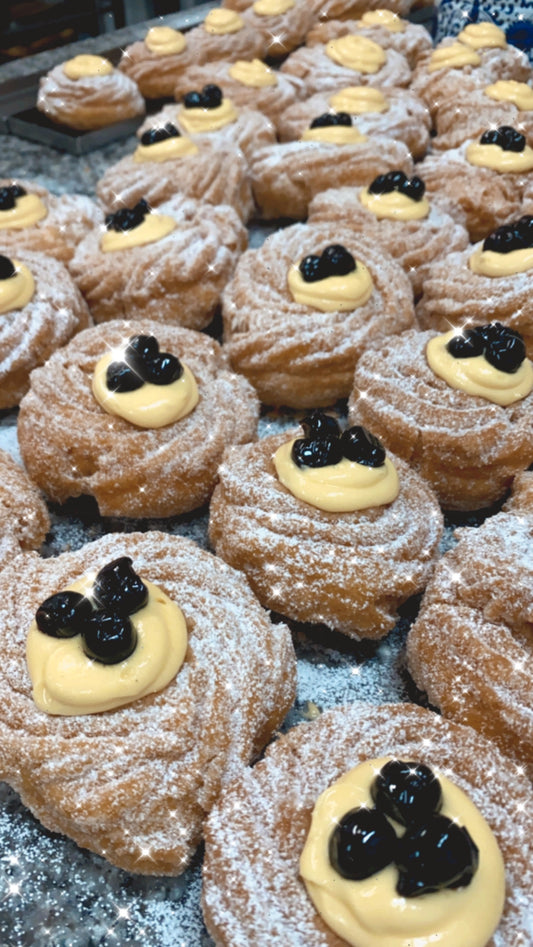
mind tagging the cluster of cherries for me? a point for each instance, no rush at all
(104, 621)
(153, 135)
(9, 194)
(506, 137)
(127, 218)
(335, 260)
(209, 98)
(502, 347)
(433, 853)
(398, 181)
(143, 363)
(324, 444)
(331, 118)
(7, 270)
(517, 235)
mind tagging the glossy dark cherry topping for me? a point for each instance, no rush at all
(119, 589)
(127, 218)
(398, 181)
(506, 137)
(434, 852)
(109, 637)
(209, 98)
(61, 615)
(331, 118)
(9, 194)
(334, 260)
(7, 270)
(502, 347)
(143, 362)
(517, 235)
(153, 135)
(323, 444)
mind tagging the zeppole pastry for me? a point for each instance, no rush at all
(520, 499)
(396, 113)
(40, 310)
(394, 213)
(139, 674)
(287, 176)
(383, 27)
(470, 648)
(137, 415)
(156, 62)
(23, 512)
(34, 219)
(473, 111)
(300, 310)
(352, 9)
(225, 34)
(87, 92)
(169, 264)
(309, 838)
(328, 528)
(458, 407)
(165, 162)
(347, 60)
(283, 24)
(491, 280)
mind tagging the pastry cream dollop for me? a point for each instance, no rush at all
(178, 146)
(151, 406)
(358, 99)
(16, 291)
(253, 73)
(476, 375)
(483, 36)
(497, 159)
(272, 7)
(491, 263)
(386, 18)
(335, 135)
(86, 65)
(394, 205)
(153, 228)
(454, 56)
(337, 488)
(509, 90)
(221, 21)
(66, 682)
(29, 209)
(164, 41)
(357, 52)
(195, 121)
(370, 913)
(333, 294)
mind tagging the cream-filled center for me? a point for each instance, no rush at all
(509, 90)
(483, 35)
(153, 228)
(178, 146)
(394, 205)
(498, 159)
(357, 52)
(335, 135)
(221, 21)
(196, 121)
(334, 293)
(476, 376)
(386, 18)
(358, 99)
(454, 56)
(164, 41)
(272, 7)
(86, 65)
(16, 291)
(29, 209)
(491, 263)
(254, 73)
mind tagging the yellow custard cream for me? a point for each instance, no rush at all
(272, 7)
(370, 913)
(86, 65)
(337, 488)
(386, 18)
(16, 291)
(164, 41)
(333, 294)
(254, 73)
(357, 52)
(220, 21)
(179, 146)
(394, 205)
(29, 209)
(497, 159)
(490, 263)
(358, 99)
(509, 90)
(151, 406)
(335, 135)
(476, 376)
(153, 228)
(66, 682)
(454, 56)
(483, 36)
(196, 121)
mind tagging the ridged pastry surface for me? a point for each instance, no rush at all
(23, 512)
(320, 73)
(89, 102)
(412, 41)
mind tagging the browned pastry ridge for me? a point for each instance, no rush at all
(468, 448)
(349, 571)
(245, 43)
(23, 512)
(470, 647)
(134, 784)
(90, 102)
(351, 9)
(281, 32)
(294, 354)
(257, 830)
(410, 39)
(29, 335)
(520, 499)
(320, 73)
(72, 446)
(176, 280)
(470, 112)
(156, 74)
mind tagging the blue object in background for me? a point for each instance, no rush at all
(515, 18)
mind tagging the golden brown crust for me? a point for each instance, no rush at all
(136, 783)
(246, 43)
(411, 42)
(28, 336)
(470, 113)
(520, 499)
(293, 354)
(470, 647)
(320, 567)
(90, 102)
(284, 32)
(257, 830)
(23, 512)
(467, 447)
(320, 73)
(156, 75)
(177, 280)
(71, 446)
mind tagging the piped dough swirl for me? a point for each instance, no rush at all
(89, 102)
